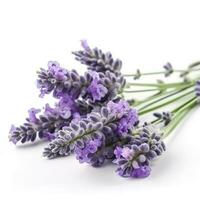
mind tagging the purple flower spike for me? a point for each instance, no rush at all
(46, 125)
(94, 88)
(96, 60)
(59, 81)
(134, 158)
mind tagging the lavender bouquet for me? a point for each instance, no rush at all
(97, 117)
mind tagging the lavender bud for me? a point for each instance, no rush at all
(168, 69)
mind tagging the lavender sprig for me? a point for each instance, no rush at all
(46, 125)
(44, 128)
(96, 60)
(133, 159)
(92, 86)
(59, 81)
(113, 121)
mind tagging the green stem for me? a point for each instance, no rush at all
(191, 68)
(153, 73)
(179, 116)
(149, 98)
(157, 95)
(160, 85)
(161, 93)
(182, 107)
(194, 64)
(141, 111)
(164, 97)
(134, 91)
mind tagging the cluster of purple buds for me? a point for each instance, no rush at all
(102, 87)
(92, 136)
(166, 117)
(59, 81)
(134, 158)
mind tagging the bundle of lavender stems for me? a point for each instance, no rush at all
(98, 117)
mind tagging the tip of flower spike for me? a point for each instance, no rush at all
(11, 138)
(85, 45)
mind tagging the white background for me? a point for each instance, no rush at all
(144, 34)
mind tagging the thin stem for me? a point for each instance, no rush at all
(153, 73)
(141, 111)
(175, 123)
(133, 91)
(162, 98)
(186, 105)
(149, 98)
(182, 107)
(160, 85)
(157, 121)
(179, 116)
(191, 68)
(161, 93)
(154, 96)
(194, 64)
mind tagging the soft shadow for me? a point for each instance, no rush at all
(105, 176)
(162, 166)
